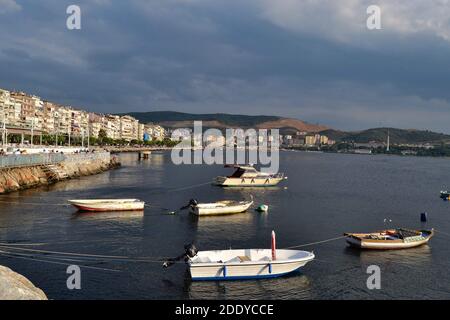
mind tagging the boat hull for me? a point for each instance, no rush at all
(246, 270)
(104, 206)
(213, 211)
(247, 182)
(373, 244)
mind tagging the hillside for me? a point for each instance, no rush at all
(397, 136)
(221, 121)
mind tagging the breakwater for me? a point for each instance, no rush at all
(14, 286)
(26, 171)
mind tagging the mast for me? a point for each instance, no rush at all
(387, 145)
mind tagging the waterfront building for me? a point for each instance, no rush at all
(140, 131)
(10, 108)
(27, 107)
(128, 128)
(156, 131)
(310, 140)
(96, 123)
(112, 126)
(323, 139)
(48, 118)
(63, 120)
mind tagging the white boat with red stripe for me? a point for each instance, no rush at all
(104, 205)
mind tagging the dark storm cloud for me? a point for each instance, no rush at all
(225, 56)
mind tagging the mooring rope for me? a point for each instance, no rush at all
(313, 243)
(36, 203)
(56, 262)
(95, 257)
(439, 231)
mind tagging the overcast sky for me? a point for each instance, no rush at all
(312, 60)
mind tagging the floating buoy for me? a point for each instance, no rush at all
(262, 208)
(423, 217)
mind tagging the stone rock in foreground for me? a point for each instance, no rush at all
(14, 286)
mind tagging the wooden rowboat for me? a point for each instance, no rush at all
(219, 207)
(108, 204)
(389, 239)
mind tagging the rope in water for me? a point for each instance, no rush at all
(36, 203)
(124, 258)
(55, 262)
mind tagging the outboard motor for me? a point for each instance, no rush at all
(192, 203)
(190, 251)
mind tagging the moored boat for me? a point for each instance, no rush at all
(390, 239)
(240, 264)
(248, 176)
(107, 204)
(219, 207)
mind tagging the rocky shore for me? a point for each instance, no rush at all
(13, 179)
(14, 286)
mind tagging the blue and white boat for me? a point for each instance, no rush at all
(246, 263)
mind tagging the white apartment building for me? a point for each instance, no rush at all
(112, 126)
(128, 128)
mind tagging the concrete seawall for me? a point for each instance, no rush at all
(69, 166)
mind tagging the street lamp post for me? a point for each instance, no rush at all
(4, 127)
(32, 131)
(56, 130)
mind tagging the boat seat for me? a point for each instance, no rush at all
(203, 260)
(266, 258)
(235, 259)
(244, 258)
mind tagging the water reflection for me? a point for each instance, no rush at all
(295, 285)
(411, 257)
(108, 215)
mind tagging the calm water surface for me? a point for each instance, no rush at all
(325, 195)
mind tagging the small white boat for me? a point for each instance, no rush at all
(246, 264)
(241, 264)
(247, 176)
(219, 207)
(108, 204)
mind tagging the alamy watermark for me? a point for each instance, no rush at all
(238, 146)
(73, 21)
(74, 280)
(374, 280)
(373, 22)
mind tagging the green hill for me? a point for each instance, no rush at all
(396, 136)
(222, 120)
(227, 119)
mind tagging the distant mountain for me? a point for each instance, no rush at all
(222, 120)
(396, 136)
